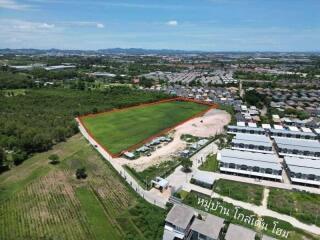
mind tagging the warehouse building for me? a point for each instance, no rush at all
(252, 142)
(257, 165)
(303, 171)
(298, 147)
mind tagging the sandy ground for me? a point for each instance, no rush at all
(212, 123)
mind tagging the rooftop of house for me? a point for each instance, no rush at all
(238, 232)
(180, 216)
(205, 177)
(210, 226)
(265, 237)
(298, 144)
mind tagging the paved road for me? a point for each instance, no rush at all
(149, 196)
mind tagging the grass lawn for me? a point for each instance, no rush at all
(119, 130)
(240, 191)
(211, 164)
(230, 211)
(301, 205)
(160, 170)
(43, 201)
(101, 226)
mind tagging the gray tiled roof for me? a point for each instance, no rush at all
(302, 162)
(304, 170)
(250, 159)
(298, 144)
(180, 216)
(275, 131)
(261, 157)
(265, 237)
(210, 227)
(236, 232)
(247, 128)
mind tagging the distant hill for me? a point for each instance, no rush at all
(116, 51)
(142, 51)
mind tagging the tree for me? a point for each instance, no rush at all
(186, 164)
(2, 157)
(81, 173)
(54, 158)
(19, 156)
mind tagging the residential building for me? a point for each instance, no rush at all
(251, 130)
(292, 134)
(303, 171)
(252, 142)
(183, 222)
(265, 237)
(237, 232)
(203, 178)
(250, 164)
(178, 222)
(208, 228)
(298, 147)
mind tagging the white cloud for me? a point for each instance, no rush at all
(82, 24)
(46, 26)
(26, 26)
(172, 23)
(100, 25)
(13, 5)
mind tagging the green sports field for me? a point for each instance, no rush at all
(119, 130)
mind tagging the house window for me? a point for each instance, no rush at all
(243, 167)
(269, 171)
(311, 177)
(256, 169)
(232, 165)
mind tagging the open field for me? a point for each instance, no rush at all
(233, 214)
(120, 130)
(239, 191)
(40, 200)
(301, 205)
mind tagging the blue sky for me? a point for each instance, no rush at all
(214, 25)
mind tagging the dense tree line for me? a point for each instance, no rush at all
(42, 117)
(246, 75)
(9, 80)
(40, 73)
(252, 97)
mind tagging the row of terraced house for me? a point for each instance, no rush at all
(265, 152)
